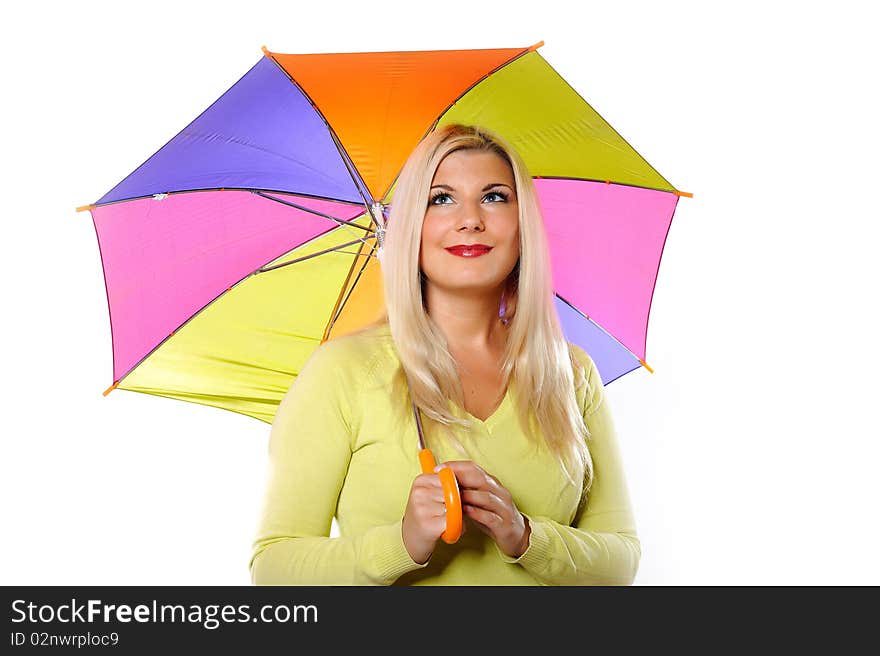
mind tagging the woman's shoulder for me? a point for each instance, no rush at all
(355, 352)
(588, 382)
(591, 371)
(363, 340)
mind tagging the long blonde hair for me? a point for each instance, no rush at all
(537, 357)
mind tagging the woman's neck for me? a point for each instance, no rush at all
(470, 323)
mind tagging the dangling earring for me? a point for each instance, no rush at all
(502, 312)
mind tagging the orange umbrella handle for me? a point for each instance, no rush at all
(451, 496)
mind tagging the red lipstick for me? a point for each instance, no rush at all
(469, 250)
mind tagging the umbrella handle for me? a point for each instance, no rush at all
(451, 496)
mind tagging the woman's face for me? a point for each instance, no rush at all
(472, 201)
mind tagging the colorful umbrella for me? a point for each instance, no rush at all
(249, 238)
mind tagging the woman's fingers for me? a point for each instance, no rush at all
(427, 480)
(424, 519)
(484, 507)
(491, 507)
(471, 475)
(485, 518)
(482, 499)
(430, 498)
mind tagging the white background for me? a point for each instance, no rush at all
(751, 451)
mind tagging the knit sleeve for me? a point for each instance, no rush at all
(601, 546)
(309, 453)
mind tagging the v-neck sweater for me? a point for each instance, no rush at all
(343, 444)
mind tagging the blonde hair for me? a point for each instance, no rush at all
(537, 358)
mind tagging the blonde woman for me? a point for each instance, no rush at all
(469, 335)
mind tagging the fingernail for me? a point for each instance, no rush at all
(438, 468)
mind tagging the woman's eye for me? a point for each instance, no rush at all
(436, 197)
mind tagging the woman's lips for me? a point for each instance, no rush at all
(469, 251)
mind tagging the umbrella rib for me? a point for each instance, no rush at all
(566, 82)
(590, 319)
(346, 160)
(612, 182)
(340, 301)
(357, 278)
(213, 300)
(510, 61)
(204, 189)
(356, 253)
(340, 149)
(461, 95)
(341, 222)
(349, 165)
(311, 255)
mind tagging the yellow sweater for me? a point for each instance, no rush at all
(341, 445)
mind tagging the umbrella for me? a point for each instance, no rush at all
(249, 238)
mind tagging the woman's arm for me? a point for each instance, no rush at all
(601, 547)
(309, 453)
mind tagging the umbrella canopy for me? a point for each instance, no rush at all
(248, 239)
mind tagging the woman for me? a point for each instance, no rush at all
(471, 336)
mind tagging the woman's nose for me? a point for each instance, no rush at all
(472, 225)
(471, 217)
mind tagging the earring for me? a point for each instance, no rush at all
(502, 312)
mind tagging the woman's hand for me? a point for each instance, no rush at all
(491, 506)
(425, 517)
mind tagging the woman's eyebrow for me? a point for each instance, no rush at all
(486, 188)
